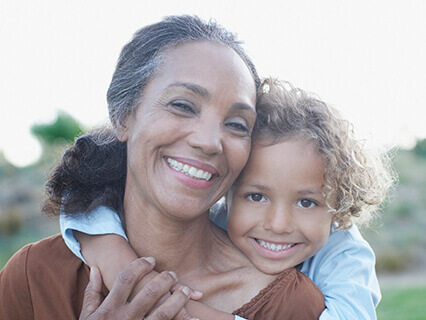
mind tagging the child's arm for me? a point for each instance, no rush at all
(100, 238)
(344, 272)
(112, 254)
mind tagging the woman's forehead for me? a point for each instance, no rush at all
(209, 68)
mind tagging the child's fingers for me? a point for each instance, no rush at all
(172, 306)
(127, 280)
(93, 294)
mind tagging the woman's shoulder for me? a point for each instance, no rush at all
(286, 297)
(40, 277)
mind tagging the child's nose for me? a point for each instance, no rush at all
(279, 220)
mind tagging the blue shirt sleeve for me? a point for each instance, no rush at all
(344, 270)
(102, 220)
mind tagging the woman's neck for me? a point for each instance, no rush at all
(181, 245)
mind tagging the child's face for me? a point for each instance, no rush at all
(278, 216)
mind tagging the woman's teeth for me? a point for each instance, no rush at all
(189, 170)
(273, 246)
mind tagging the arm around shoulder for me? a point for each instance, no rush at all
(344, 270)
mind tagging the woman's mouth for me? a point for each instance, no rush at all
(189, 170)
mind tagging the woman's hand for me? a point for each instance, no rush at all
(116, 305)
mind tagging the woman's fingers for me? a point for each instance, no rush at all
(172, 306)
(93, 294)
(128, 279)
(193, 294)
(154, 290)
(117, 306)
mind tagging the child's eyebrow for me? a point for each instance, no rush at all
(255, 186)
(310, 191)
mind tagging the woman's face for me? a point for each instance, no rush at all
(190, 136)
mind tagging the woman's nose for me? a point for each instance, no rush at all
(207, 136)
(279, 220)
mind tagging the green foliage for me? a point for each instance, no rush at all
(420, 148)
(407, 304)
(11, 221)
(392, 260)
(63, 130)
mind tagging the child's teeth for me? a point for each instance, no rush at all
(189, 170)
(273, 246)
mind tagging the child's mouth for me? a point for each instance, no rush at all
(274, 246)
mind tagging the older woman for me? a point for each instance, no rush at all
(183, 91)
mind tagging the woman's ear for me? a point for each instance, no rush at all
(122, 133)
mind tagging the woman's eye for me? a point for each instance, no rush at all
(238, 126)
(306, 203)
(182, 107)
(256, 197)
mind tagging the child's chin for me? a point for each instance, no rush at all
(271, 270)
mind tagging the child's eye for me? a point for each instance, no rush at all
(256, 197)
(182, 107)
(306, 203)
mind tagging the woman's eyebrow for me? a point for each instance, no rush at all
(199, 90)
(203, 92)
(243, 107)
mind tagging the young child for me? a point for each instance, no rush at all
(292, 206)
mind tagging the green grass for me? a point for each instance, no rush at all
(407, 304)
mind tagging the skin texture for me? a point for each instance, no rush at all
(278, 199)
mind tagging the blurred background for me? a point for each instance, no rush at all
(366, 58)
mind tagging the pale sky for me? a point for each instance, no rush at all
(366, 57)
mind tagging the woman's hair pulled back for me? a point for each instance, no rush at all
(140, 58)
(92, 172)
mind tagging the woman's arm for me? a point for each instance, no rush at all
(344, 270)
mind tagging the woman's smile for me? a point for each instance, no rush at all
(189, 172)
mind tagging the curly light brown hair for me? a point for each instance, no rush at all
(356, 180)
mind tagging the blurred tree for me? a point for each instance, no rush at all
(63, 130)
(420, 148)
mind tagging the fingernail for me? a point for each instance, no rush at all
(173, 274)
(185, 290)
(151, 260)
(91, 274)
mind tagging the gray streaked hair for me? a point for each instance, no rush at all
(140, 58)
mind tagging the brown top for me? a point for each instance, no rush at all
(292, 295)
(44, 280)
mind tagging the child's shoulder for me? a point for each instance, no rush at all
(341, 245)
(346, 236)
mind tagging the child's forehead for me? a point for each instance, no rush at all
(268, 154)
